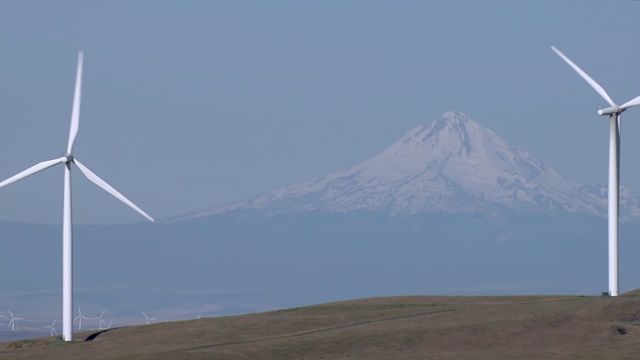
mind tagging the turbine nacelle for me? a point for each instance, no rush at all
(610, 110)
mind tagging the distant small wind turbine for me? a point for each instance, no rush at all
(79, 318)
(99, 318)
(614, 113)
(67, 225)
(149, 320)
(52, 327)
(12, 323)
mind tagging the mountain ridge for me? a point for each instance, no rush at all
(452, 164)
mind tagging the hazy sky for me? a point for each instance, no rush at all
(193, 104)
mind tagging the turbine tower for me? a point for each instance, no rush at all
(67, 224)
(614, 112)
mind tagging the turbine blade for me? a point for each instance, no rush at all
(75, 112)
(32, 170)
(586, 77)
(103, 184)
(630, 103)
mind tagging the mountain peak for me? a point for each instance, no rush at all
(453, 165)
(454, 116)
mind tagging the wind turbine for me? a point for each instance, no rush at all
(79, 318)
(67, 224)
(614, 112)
(53, 329)
(12, 323)
(99, 318)
(149, 320)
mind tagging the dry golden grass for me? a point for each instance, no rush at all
(413, 327)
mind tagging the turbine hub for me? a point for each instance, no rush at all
(610, 110)
(68, 156)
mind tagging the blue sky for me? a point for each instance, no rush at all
(193, 104)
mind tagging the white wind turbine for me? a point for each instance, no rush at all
(149, 320)
(12, 323)
(614, 113)
(79, 318)
(67, 237)
(52, 327)
(100, 321)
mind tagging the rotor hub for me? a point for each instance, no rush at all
(68, 156)
(610, 110)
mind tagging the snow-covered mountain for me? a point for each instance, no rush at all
(451, 165)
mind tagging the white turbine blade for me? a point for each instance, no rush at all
(75, 112)
(630, 103)
(145, 315)
(586, 77)
(32, 170)
(108, 188)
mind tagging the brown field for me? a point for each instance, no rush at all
(411, 327)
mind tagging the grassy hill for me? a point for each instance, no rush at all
(412, 327)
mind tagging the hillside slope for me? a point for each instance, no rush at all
(415, 327)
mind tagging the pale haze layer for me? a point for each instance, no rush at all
(192, 105)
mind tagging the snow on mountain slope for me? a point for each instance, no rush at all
(452, 165)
